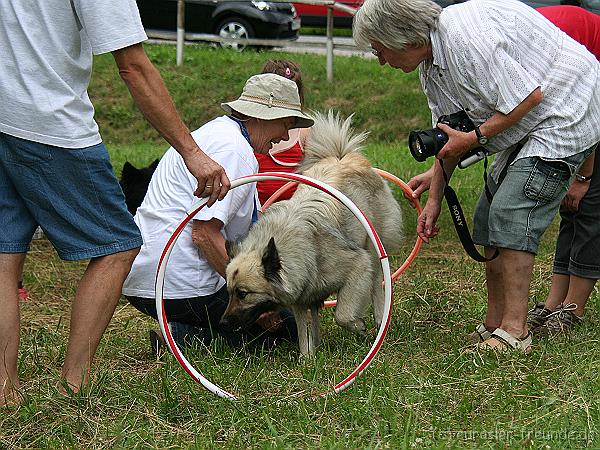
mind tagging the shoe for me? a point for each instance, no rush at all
(23, 294)
(537, 316)
(563, 319)
(157, 342)
(507, 342)
(480, 334)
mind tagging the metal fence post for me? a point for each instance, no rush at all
(180, 30)
(330, 43)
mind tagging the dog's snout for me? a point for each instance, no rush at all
(225, 322)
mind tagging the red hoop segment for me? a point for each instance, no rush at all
(162, 265)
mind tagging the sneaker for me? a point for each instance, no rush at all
(537, 316)
(563, 319)
(23, 294)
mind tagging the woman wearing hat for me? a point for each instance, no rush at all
(195, 291)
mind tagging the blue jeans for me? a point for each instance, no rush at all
(72, 194)
(197, 320)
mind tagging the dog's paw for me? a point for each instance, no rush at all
(356, 325)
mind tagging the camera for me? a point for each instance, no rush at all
(426, 143)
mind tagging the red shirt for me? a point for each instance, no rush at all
(266, 164)
(580, 24)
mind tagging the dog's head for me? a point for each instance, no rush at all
(134, 183)
(253, 279)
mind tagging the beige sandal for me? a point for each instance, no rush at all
(480, 334)
(507, 342)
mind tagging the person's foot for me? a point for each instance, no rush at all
(563, 320)
(10, 396)
(480, 334)
(537, 316)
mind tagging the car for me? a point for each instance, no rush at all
(316, 16)
(590, 5)
(235, 19)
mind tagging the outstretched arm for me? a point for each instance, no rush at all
(152, 98)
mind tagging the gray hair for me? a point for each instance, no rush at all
(396, 24)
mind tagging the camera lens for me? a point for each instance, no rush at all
(426, 143)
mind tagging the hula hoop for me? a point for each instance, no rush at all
(388, 176)
(198, 205)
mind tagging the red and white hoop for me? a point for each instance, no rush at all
(385, 267)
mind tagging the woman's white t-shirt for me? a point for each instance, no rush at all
(170, 196)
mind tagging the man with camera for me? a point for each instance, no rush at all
(532, 95)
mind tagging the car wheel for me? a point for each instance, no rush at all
(235, 27)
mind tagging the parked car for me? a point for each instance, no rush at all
(590, 5)
(316, 16)
(235, 19)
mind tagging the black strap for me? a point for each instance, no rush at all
(460, 222)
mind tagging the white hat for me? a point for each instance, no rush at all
(269, 96)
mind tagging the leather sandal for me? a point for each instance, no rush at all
(507, 342)
(480, 334)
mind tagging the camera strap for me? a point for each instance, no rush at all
(459, 220)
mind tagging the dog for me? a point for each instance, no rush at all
(304, 249)
(134, 183)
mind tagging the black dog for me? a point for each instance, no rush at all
(134, 183)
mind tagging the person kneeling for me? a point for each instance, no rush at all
(195, 290)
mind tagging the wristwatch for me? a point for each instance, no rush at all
(583, 178)
(483, 140)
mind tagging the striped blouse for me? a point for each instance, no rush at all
(489, 55)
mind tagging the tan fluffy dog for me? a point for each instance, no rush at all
(304, 249)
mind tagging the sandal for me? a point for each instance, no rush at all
(507, 342)
(480, 334)
(537, 316)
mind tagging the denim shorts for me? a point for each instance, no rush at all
(72, 194)
(578, 243)
(525, 203)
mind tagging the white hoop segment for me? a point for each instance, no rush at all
(365, 222)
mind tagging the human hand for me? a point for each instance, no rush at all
(458, 143)
(419, 184)
(576, 192)
(426, 224)
(269, 321)
(212, 179)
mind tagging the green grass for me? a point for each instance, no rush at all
(424, 390)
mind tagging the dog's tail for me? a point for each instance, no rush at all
(330, 136)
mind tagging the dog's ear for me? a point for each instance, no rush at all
(128, 171)
(154, 164)
(232, 249)
(271, 262)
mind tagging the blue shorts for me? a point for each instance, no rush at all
(525, 203)
(72, 194)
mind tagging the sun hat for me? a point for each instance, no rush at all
(269, 96)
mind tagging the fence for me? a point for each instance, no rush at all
(329, 4)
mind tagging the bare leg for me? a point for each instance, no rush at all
(579, 293)
(558, 290)
(97, 295)
(495, 290)
(11, 266)
(517, 267)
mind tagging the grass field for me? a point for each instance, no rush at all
(425, 389)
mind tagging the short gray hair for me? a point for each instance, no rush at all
(396, 24)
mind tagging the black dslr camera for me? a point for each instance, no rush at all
(426, 143)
